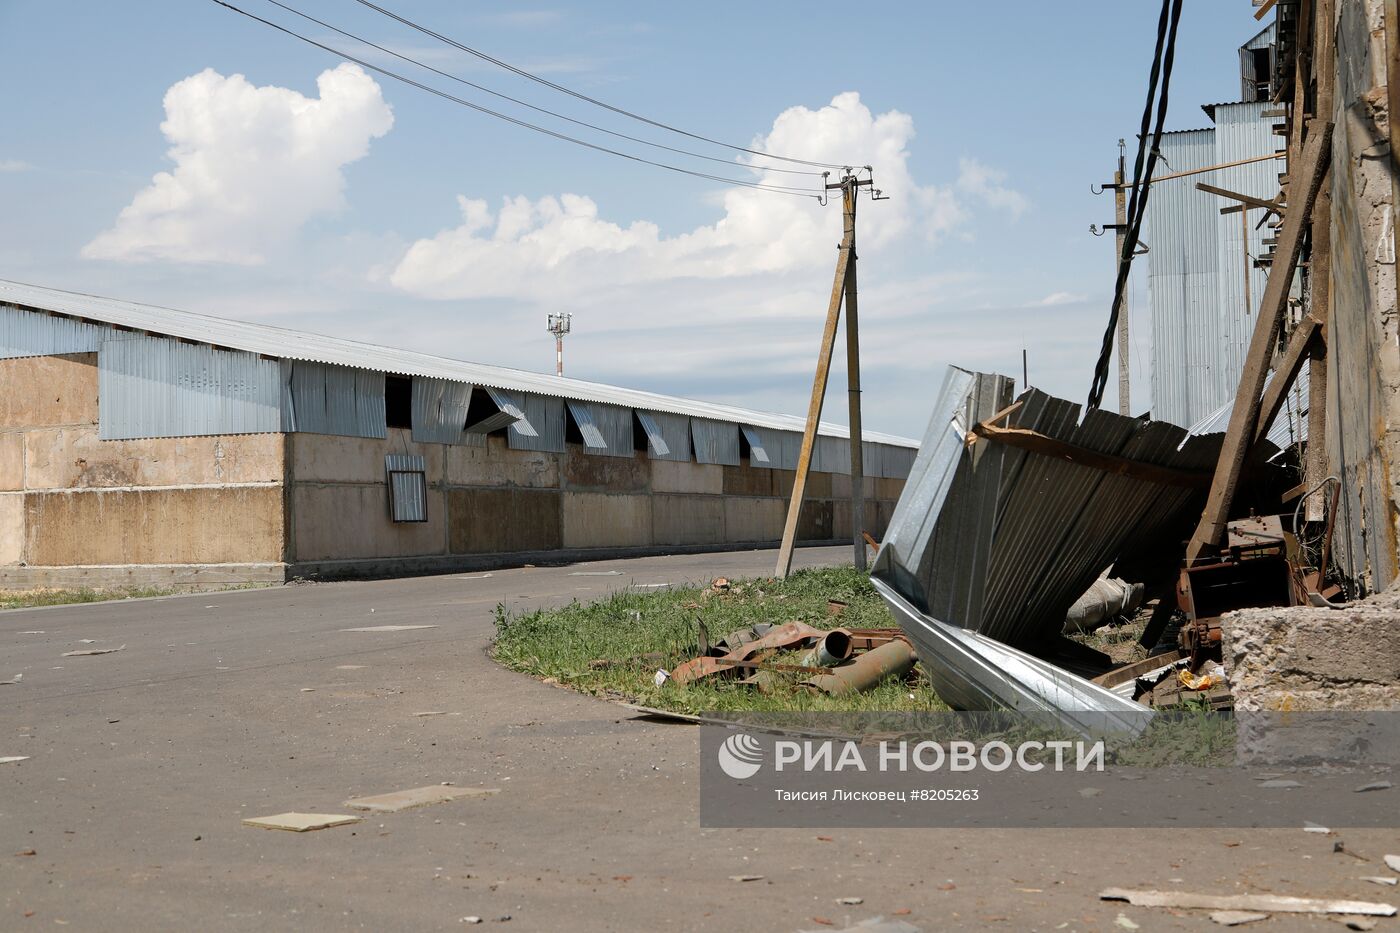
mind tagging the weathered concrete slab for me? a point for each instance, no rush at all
(11, 528)
(754, 519)
(599, 520)
(301, 822)
(498, 465)
(417, 797)
(74, 456)
(589, 473)
(694, 478)
(344, 521)
(11, 461)
(48, 390)
(328, 458)
(503, 521)
(687, 520)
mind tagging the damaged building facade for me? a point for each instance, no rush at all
(141, 445)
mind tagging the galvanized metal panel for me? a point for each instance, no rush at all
(408, 493)
(335, 400)
(439, 410)
(153, 387)
(832, 455)
(286, 344)
(715, 441)
(513, 405)
(758, 453)
(606, 429)
(1181, 231)
(783, 449)
(25, 333)
(545, 416)
(668, 436)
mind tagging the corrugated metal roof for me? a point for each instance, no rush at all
(282, 343)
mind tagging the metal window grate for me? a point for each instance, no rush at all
(408, 488)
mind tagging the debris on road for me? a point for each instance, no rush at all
(850, 901)
(9, 758)
(1258, 902)
(417, 797)
(89, 651)
(1392, 862)
(871, 925)
(1374, 785)
(1235, 918)
(432, 712)
(1378, 879)
(301, 822)
(386, 628)
(1124, 922)
(745, 878)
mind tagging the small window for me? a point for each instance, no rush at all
(398, 401)
(408, 488)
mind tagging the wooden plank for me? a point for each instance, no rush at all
(1264, 9)
(1244, 416)
(1249, 199)
(1285, 373)
(1045, 445)
(1272, 903)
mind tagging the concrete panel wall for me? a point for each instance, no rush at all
(74, 457)
(601, 520)
(503, 521)
(706, 479)
(11, 461)
(347, 522)
(329, 458)
(588, 473)
(11, 528)
(216, 525)
(497, 465)
(754, 519)
(48, 390)
(688, 520)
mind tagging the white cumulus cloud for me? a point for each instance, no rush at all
(561, 245)
(252, 164)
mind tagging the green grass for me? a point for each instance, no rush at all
(29, 599)
(624, 627)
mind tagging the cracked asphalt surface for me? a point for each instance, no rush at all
(141, 764)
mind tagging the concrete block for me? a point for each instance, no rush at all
(74, 457)
(491, 521)
(11, 461)
(687, 520)
(587, 472)
(341, 522)
(11, 528)
(818, 484)
(48, 390)
(841, 517)
(600, 520)
(213, 525)
(498, 465)
(814, 522)
(329, 458)
(754, 519)
(706, 479)
(748, 481)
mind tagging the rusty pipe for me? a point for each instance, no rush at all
(893, 659)
(834, 648)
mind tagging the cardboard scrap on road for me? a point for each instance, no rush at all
(386, 628)
(301, 822)
(87, 651)
(1255, 902)
(417, 797)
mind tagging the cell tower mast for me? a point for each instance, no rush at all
(559, 325)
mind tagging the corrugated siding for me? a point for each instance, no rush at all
(295, 345)
(513, 404)
(25, 333)
(668, 436)
(758, 449)
(784, 448)
(543, 414)
(832, 455)
(408, 492)
(335, 400)
(715, 441)
(439, 410)
(1181, 231)
(152, 387)
(1241, 132)
(606, 429)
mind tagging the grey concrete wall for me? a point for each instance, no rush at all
(492, 503)
(77, 510)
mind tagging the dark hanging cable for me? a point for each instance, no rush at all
(584, 97)
(1137, 199)
(777, 189)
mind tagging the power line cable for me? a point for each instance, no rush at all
(516, 100)
(777, 189)
(584, 97)
(1137, 202)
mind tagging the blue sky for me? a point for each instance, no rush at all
(985, 122)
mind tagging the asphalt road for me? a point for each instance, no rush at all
(143, 762)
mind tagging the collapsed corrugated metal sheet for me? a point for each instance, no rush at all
(668, 436)
(544, 415)
(333, 400)
(149, 387)
(296, 345)
(440, 410)
(606, 429)
(715, 441)
(996, 540)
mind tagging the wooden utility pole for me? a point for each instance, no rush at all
(842, 286)
(1120, 219)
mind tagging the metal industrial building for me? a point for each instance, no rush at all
(145, 445)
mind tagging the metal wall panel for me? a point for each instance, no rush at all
(784, 448)
(153, 387)
(513, 404)
(334, 400)
(26, 333)
(715, 441)
(439, 410)
(606, 429)
(832, 455)
(1181, 231)
(758, 451)
(668, 436)
(544, 419)
(408, 487)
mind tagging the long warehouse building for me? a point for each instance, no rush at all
(141, 445)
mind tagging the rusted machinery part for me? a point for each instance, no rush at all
(836, 647)
(892, 659)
